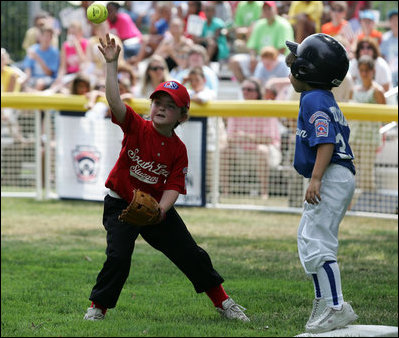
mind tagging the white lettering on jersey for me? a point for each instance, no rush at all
(301, 133)
(338, 116)
(151, 167)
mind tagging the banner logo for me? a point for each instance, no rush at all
(86, 161)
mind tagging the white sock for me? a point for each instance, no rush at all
(329, 279)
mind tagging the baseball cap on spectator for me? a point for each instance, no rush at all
(176, 90)
(392, 12)
(367, 14)
(270, 3)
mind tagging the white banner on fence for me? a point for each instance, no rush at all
(88, 149)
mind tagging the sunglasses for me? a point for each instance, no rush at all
(156, 68)
(366, 47)
(247, 89)
(337, 9)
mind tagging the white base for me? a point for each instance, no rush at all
(357, 331)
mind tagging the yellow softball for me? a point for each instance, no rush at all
(97, 13)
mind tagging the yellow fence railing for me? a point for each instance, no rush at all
(287, 109)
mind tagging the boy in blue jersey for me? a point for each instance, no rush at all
(322, 154)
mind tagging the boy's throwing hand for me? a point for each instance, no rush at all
(109, 49)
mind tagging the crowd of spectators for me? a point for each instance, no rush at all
(240, 38)
(202, 44)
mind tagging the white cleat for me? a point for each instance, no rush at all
(231, 310)
(319, 306)
(332, 319)
(93, 314)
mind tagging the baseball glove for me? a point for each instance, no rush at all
(142, 210)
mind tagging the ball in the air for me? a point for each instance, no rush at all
(97, 13)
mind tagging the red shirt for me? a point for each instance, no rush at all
(148, 160)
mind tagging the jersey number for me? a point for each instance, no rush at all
(340, 139)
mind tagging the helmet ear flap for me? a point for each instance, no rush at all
(302, 69)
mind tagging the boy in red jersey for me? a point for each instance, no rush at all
(154, 160)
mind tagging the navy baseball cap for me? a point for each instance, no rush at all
(176, 90)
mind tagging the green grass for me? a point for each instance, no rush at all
(52, 251)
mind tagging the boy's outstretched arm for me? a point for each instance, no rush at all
(111, 51)
(323, 159)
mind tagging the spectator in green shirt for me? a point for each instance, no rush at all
(270, 30)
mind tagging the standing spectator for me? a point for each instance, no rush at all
(213, 36)
(305, 16)
(42, 62)
(365, 137)
(224, 12)
(272, 65)
(369, 46)
(155, 73)
(338, 25)
(389, 45)
(174, 46)
(251, 140)
(271, 30)
(123, 26)
(368, 23)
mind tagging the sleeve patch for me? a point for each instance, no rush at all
(319, 114)
(321, 128)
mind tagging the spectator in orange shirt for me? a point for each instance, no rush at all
(367, 22)
(338, 25)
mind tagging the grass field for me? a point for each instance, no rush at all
(52, 251)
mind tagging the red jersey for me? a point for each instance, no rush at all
(148, 160)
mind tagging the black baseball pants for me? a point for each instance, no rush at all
(171, 237)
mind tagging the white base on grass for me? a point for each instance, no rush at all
(357, 331)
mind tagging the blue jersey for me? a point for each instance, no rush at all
(320, 121)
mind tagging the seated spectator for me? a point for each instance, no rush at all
(251, 140)
(77, 13)
(11, 77)
(369, 46)
(159, 25)
(389, 45)
(365, 137)
(155, 73)
(123, 26)
(272, 65)
(368, 23)
(354, 9)
(213, 36)
(73, 57)
(198, 91)
(305, 17)
(198, 57)
(247, 12)
(126, 73)
(32, 34)
(173, 48)
(338, 25)
(41, 62)
(271, 30)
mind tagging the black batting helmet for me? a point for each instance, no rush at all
(320, 60)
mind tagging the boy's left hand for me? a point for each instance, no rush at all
(312, 195)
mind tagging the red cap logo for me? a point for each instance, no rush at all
(176, 90)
